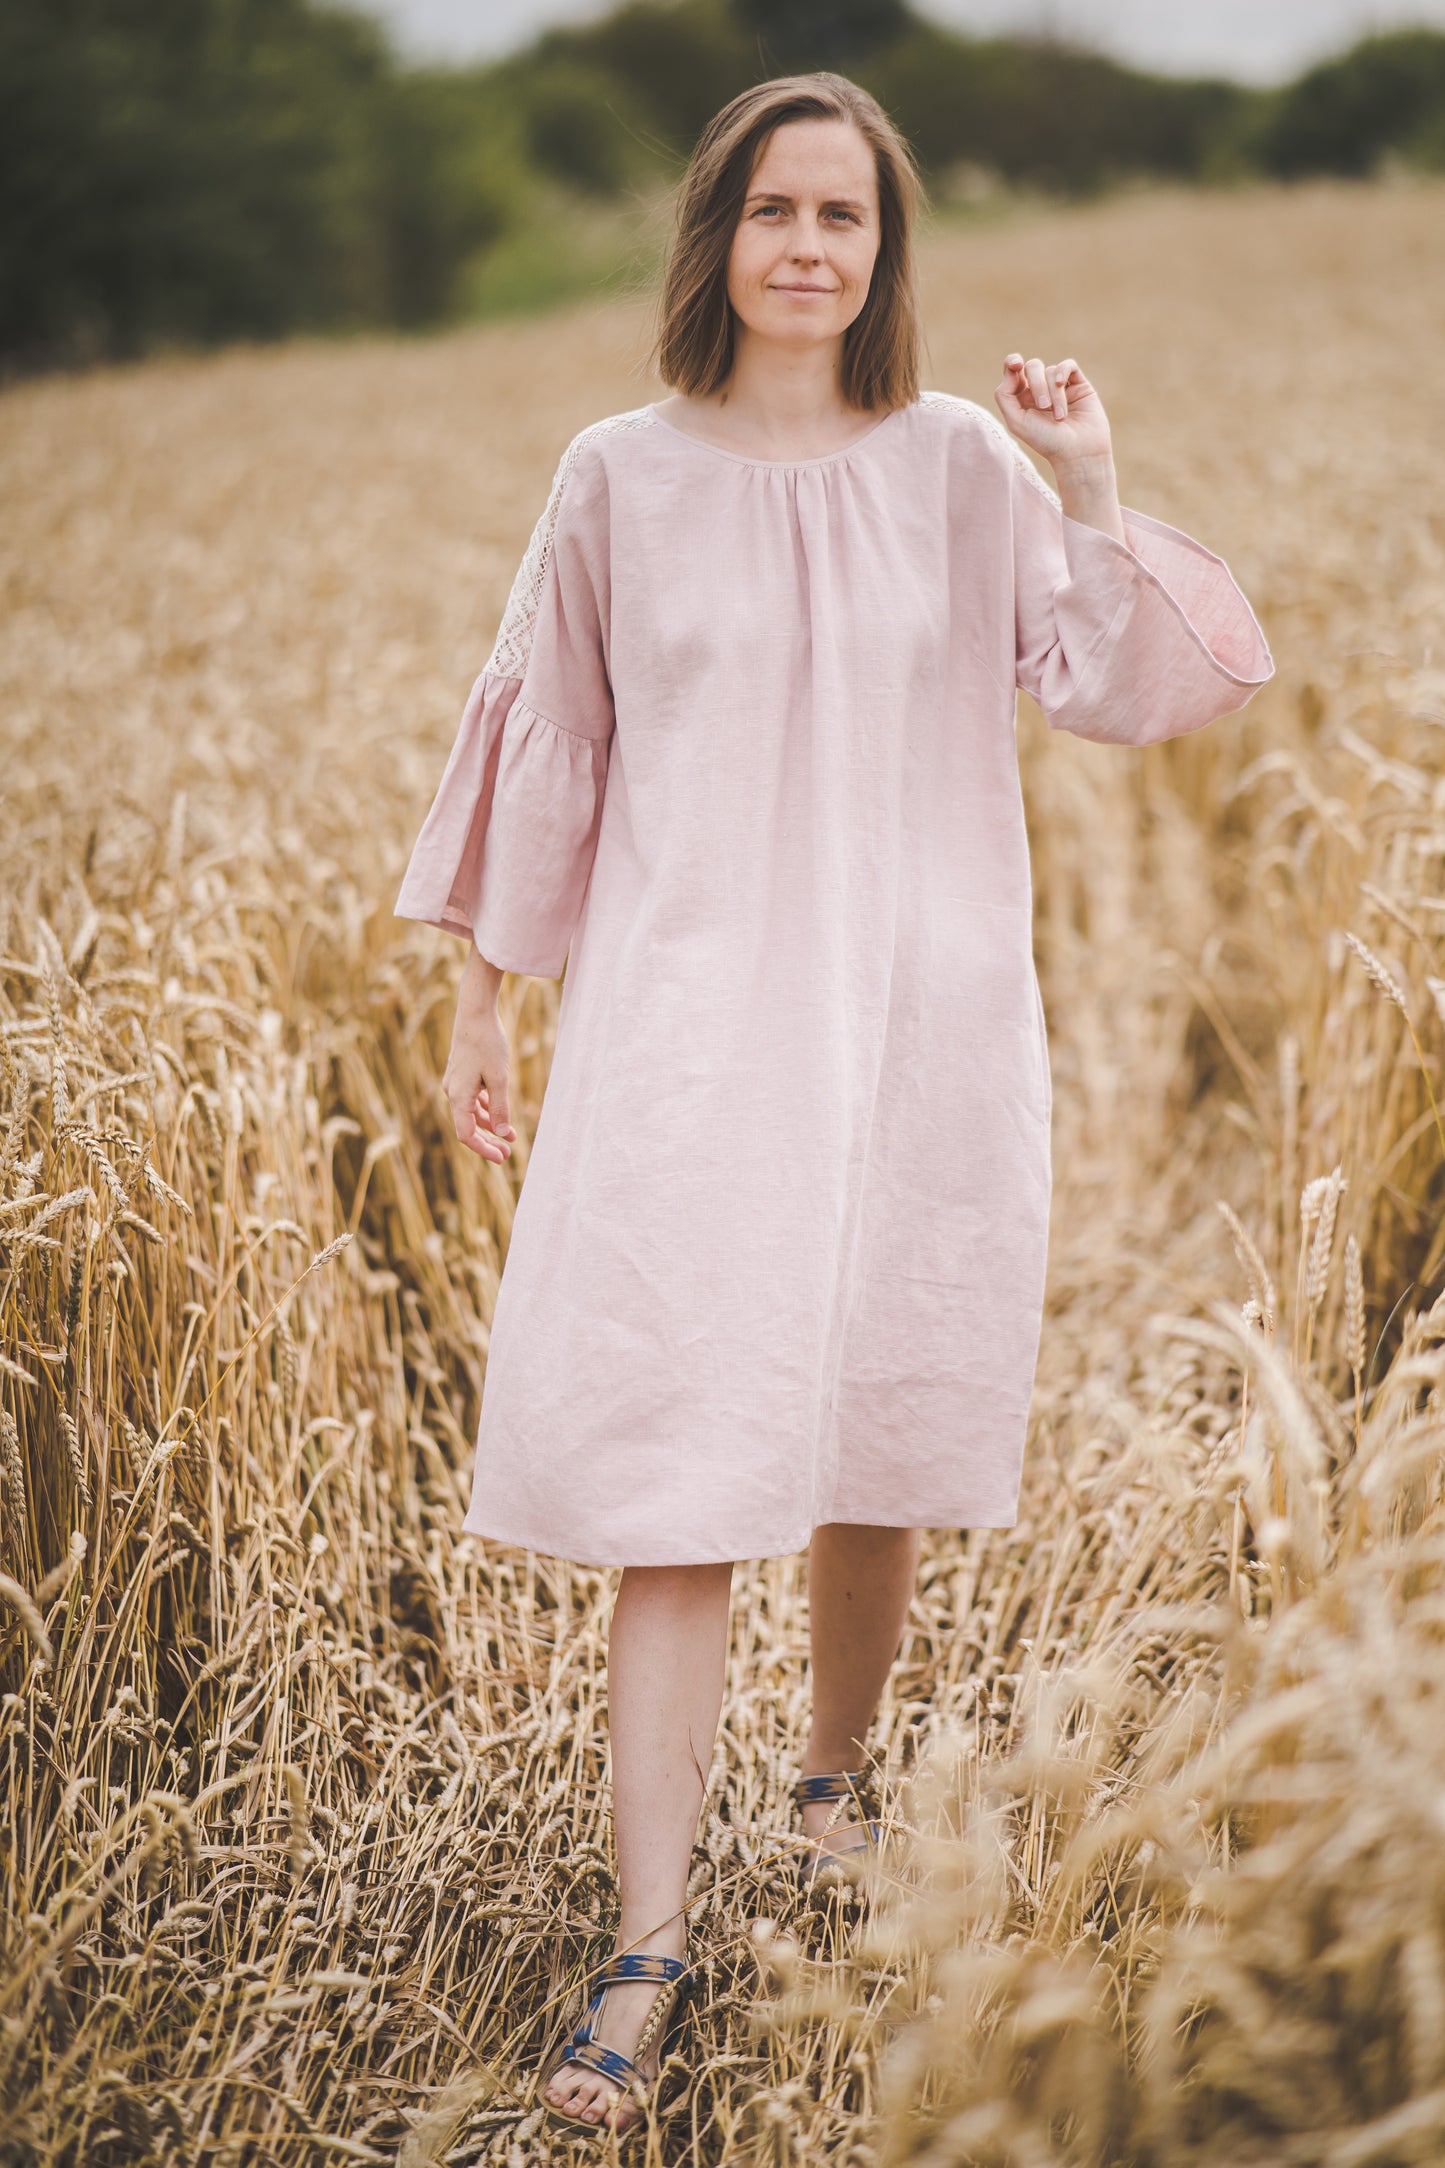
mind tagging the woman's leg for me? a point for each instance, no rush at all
(860, 1584)
(665, 1658)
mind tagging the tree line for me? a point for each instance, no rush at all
(194, 171)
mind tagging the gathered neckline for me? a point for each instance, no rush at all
(745, 459)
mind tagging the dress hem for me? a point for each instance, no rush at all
(729, 1557)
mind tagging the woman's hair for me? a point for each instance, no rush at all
(694, 347)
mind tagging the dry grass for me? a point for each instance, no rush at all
(304, 1840)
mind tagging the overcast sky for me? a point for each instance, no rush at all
(1259, 41)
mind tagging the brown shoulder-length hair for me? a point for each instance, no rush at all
(693, 350)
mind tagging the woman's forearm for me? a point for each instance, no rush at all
(482, 980)
(1089, 492)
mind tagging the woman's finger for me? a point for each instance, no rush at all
(471, 1131)
(1061, 374)
(1013, 377)
(487, 1120)
(1012, 396)
(501, 1113)
(486, 1146)
(1038, 380)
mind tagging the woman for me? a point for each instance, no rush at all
(743, 758)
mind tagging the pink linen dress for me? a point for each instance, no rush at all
(743, 758)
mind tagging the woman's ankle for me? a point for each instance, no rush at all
(825, 1757)
(636, 1938)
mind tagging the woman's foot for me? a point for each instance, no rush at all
(586, 2093)
(845, 1832)
(838, 1828)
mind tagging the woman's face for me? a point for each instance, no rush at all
(805, 245)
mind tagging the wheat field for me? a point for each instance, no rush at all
(304, 1834)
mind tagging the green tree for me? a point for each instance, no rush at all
(792, 35)
(1046, 115)
(209, 169)
(1386, 94)
(679, 64)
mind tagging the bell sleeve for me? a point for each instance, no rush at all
(504, 856)
(1126, 642)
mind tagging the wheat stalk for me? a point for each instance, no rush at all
(1387, 984)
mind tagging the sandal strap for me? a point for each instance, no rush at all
(834, 1784)
(607, 2062)
(864, 1844)
(820, 1854)
(637, 1965)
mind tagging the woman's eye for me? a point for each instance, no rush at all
(849, 218)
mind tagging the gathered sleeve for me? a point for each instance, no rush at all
(1126, 642)
(505, 854)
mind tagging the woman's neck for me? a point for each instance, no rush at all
(770, 409)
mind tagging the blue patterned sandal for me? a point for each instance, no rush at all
(674, 1980)
(841, 1866)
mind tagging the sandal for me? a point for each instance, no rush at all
(674, 1980)
(841, 1866)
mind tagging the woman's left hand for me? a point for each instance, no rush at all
(1054, 409)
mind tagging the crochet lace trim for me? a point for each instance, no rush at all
(992, 423)
(518, 628)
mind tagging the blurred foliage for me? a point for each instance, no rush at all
(199, 170)
(208, 169)
(820, 33)
(566, 243)
(1385, 97)
(1049, 116)
(673, 64)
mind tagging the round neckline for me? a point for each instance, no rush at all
(744, 459)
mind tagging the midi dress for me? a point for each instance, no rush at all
(743, 760)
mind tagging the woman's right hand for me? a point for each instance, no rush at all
(478, 1068)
